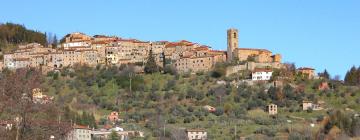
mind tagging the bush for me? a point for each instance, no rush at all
(190, 109)
(219, 111)
(172, 120)
(170, 70)
(188, 120)
(310, 110)
(266, 131)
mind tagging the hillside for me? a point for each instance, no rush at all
(12, 34)
(177, 101)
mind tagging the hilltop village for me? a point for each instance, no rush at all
(98, 88)
(185, 56)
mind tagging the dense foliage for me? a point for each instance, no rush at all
(352, 77)
(85, 95)
(151, 66)
(15, 34)
(30, 120)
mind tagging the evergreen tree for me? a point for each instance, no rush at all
(352, 76)
(358, 75)
(54, 42)
(326, 75)
(15, 34)
(150, 66)
(114, 136)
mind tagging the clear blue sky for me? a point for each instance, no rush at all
(316, 33)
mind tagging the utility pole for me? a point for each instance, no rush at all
(17, 119)
(130, 80)
(235, 131)
(164, 128)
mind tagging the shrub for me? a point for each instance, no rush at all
(190, 109)
(187, 120)
(172, 120)
(310, 110)
(219, 111)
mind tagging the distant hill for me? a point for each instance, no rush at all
(13, 34)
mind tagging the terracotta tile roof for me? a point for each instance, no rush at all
(185, 41)
(78, 41)
(5, 122)
(219, 51)
(202, 48)
(262, 70)
(107, 126)
(22, 59)
(132, 40)
(264, 50)
(99, 42)
(171, 45)
(195, 130)
(81, 127)
(195, 57)
(85, 50)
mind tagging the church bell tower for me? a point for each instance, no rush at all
(232, 43)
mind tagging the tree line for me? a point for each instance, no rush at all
(352, 76)
(11, 33)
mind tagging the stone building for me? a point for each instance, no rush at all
(232, 43)
(196, 134)
(89, 57)
(1, 66)
(307, 72)
(77, 37)
(194, 64)
(247, 54)
(100, 47)
(261, 74)
(251, 66)
(55, 59)
(272, 109)
(113, 116)
(29, 55)
(79, 132)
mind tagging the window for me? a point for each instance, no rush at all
(234, 35)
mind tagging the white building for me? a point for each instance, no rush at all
(76, 44)
(196, 134)
(272, 109)
(261, 74)
(313, 106)
(79, 133)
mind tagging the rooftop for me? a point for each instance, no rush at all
(305, 68)
(262, 70)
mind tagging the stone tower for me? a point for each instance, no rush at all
(233, 43)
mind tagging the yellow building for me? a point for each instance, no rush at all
(194, 64)
(247, 54)
(307, 72)
(272, 109)
(77, 37)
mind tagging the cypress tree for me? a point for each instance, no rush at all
(352, 76)
(326, 74)
(150, 66)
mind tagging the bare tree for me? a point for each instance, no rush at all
(32, 121)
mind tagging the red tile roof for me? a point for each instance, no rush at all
(202, 48)
(262, 70)
(264, 50)
(195, 130)
(81, 127)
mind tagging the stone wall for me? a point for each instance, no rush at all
(251, 66)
